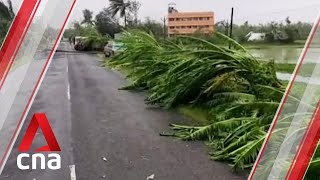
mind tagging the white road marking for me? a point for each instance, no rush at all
(68, 88)
(73, 172)
(68, 92)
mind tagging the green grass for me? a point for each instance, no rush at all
(102, 57)
(198, 114)
(296, 44)
(299, 88)
(285, 68)
(305, 70)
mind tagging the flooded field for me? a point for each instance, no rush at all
(286, 55)
(291, 55)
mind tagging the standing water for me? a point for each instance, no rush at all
(288, 55)
(284, 55)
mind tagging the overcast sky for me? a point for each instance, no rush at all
(254, 11)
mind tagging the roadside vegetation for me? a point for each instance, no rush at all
(239, 93)
(6, 16)
(234, 95)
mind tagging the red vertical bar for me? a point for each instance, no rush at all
(15, 35)
(306, 148)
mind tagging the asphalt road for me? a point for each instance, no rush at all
(93, 120)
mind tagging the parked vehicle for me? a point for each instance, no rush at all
(79, 43)
(112, 48)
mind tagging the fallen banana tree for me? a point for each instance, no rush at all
(240, 93)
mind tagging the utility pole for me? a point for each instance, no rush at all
(164, 28)
(231, 25)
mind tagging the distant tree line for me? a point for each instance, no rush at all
(286, 31)
(123, 14)
(119, 16)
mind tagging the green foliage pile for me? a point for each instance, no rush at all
(93, 40)
(189, 70)
(6, 16)
(241, 93)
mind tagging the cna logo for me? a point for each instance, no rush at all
(54, 159)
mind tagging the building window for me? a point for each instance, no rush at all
(177, 27)
(195, 19)
(183, 27)
(171, 27)
(195, 27)
(189, 27)
(171, 19)
(177, 19)
(200, 18)
(189, 19)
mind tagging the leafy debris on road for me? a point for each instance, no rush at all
(104, 159)
(151, 177)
